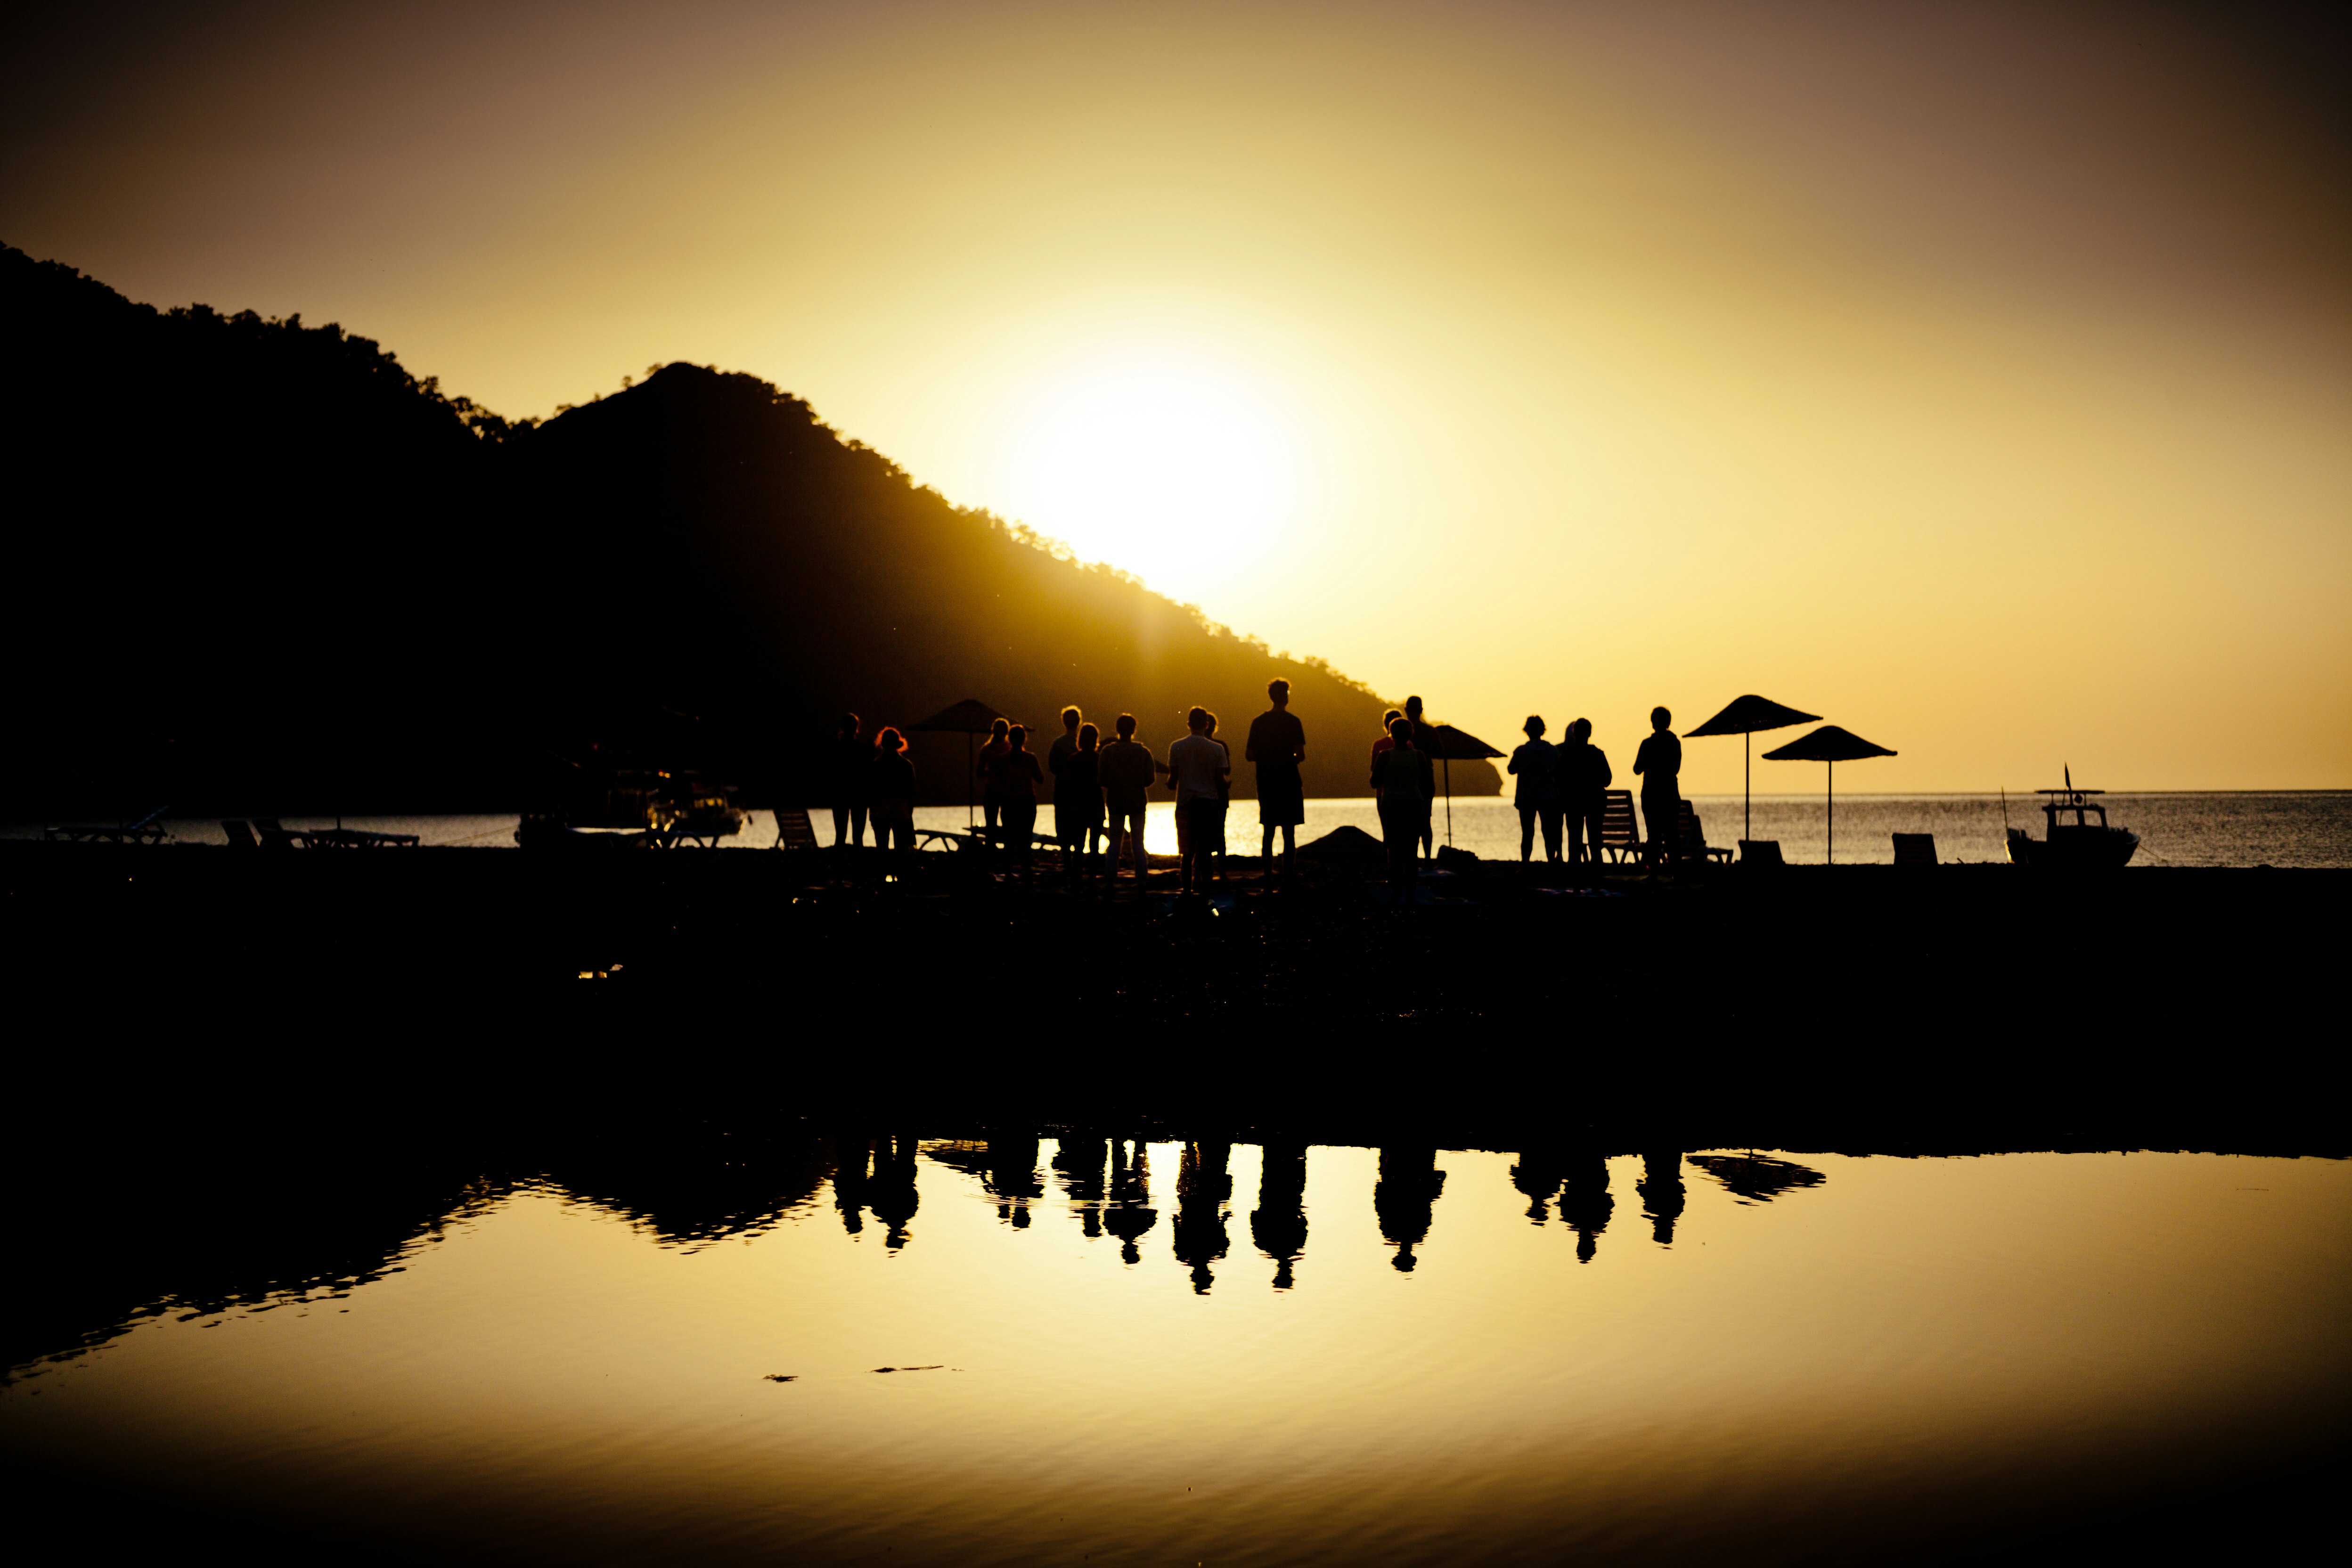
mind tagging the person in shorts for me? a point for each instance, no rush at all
(1126, 771)
(1277, 744)
(1197, 768)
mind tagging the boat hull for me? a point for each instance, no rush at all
(2074, 848)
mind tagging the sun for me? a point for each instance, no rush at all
(1175, 469)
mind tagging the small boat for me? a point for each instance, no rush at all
(2082, 841)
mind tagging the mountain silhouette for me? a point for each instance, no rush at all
(261, 565)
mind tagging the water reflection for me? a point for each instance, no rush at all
(1661, 1190)
(1758, 1178)
(1537, 1174)
(1585, 1205)
(1278, 1223)
(1403, 1198)
(560, 1381)
(1202, 1186)
(1130, 1214)
(1079, 1161)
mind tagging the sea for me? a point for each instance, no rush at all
(2277, 829)
(1023, 1351)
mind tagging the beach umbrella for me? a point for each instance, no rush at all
(1445, 742)
(1832, 745)
(969, 718)
(1744, 717)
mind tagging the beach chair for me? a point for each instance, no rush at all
(240, 834)
(794, 830)
(147, 829)
(1760, 852)
(1915, 849)
(273, 834)
(1621, 834)
(1693, 836)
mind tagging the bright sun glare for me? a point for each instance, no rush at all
(1175, 471)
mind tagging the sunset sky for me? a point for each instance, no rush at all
(1979, 376)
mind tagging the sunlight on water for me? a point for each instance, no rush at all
(1453, 1356)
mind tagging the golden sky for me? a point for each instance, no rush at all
(1979, 376)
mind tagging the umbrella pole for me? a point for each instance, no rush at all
(1449, 803)
(969, 767)
(1833, 824)
(1748, 785)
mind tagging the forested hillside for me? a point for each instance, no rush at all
(257, 565)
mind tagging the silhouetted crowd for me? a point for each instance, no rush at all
(1100, 791)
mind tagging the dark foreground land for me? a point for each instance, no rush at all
(242, 1075)
(1961, 1007)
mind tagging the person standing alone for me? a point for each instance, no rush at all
(1403, 779)
(1277, 744)
(1660, 764)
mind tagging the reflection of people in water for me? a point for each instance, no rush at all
(1013, 1177)
(1661, 1187)
(1202, 1186)
(1078, 1163)
(1585, 1205)
(1131, 1213)
(849, 1181)
(1408, 1187)
(890, 1193)
(1537, 1174)
(1278, 1223)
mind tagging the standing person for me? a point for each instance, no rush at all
(1065, 746)
(1421, 738)
(1660, 764)
(1077, 800)
(1385, 743)
(1211, 825)
(1125, 770)
(1067, 743)
(992, 795)
(1020, 776)
(1583, 771)
(853, 769)
(1403, 777)
(893, 792)
(1537, 797)
(1277, 744)
(1196, 766)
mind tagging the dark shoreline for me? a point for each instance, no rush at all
(1960, 1008)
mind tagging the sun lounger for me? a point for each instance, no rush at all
(1760, 852)
(1694, 844)
(240, 834)
(274, 836)
(793, 828)
(1621, 834)
(356, 838)
(1915, 849)
(147, 829)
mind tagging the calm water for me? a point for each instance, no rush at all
(2310, 828)
(1179, 1354)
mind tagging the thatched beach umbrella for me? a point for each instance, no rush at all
(1445, 742)
(1744, 717)
(1832, 745)
(971, 718)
